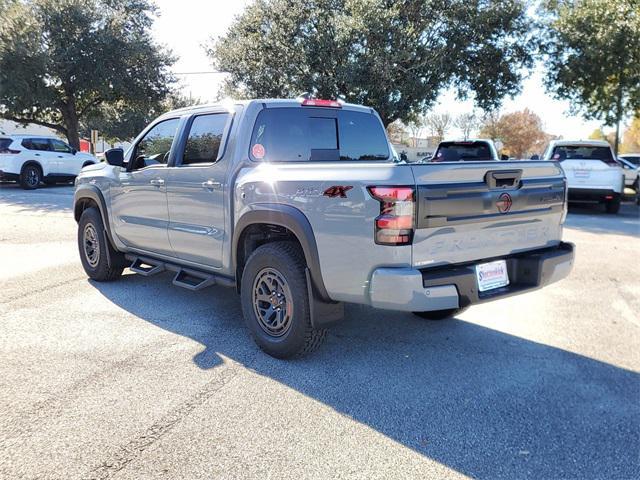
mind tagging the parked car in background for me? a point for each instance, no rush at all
(31, 160)
(593, 174)
(631, 158)
(631, 172)
(465, 151)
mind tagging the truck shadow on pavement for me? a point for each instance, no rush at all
(482, 402)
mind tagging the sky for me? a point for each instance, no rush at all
(185, 25)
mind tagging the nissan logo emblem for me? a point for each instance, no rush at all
(504, 203)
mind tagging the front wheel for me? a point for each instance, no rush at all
(99, 259)
(275, 301)
(440, 314)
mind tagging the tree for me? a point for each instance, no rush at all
(631, 143)
(394, 56)
(490, 126)
(62, 61)
(122, 121)
(593, 57)
(438, 124)
(467, 123)
(396, 132)
(521, 133)
(598, 134)
(415, 126)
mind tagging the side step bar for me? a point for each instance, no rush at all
(146, 268)
(188, 278)
(193, 280)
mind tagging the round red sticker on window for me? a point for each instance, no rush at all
(258, 150)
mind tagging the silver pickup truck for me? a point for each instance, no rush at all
(301, 206)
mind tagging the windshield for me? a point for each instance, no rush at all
(463, 152)
(317, 134)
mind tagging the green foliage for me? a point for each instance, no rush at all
(393, 55)
(61, 61)
(592, 50)
(120, 121)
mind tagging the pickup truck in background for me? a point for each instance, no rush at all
(593, 174)
(466, 151)
(301, 206)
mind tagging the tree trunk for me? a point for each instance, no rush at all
(619, 110)
(72, 123)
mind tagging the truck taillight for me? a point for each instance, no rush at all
(395, 224)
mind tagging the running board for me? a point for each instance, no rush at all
(146, 267)
(189, 278)
(193, 280)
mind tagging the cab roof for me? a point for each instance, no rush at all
(267, 102)
(580, 143)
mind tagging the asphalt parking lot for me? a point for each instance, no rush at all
(139, 379)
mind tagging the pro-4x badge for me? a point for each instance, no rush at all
(337, 191)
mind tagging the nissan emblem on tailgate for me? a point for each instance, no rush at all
(504, 203)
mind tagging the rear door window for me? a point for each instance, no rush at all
(41, 144)
(463, 152)
(205, 137)
(317, 134)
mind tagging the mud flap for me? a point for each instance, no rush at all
(323, 314)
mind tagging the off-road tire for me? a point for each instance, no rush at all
(287, 260)
(613, 206)
(109, 263)
(437, 315)
(30, 177)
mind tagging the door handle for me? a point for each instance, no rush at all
(157, 182)
(210, 184)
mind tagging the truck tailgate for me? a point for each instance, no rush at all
(470, 211)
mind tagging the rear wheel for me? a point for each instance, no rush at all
(440, 314)
(275, 301)
(30, 177)
(99, 259)
(613, 205)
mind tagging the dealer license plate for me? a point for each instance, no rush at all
(492, 275)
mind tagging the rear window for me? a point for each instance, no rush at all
(4, 143)
(463, 152)
(568, 152)
(317, 134)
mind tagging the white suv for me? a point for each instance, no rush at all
(593, 174)
(30, 159)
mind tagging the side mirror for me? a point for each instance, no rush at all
(535, 157)
(73, 151)
(504, 157)
(115, 157)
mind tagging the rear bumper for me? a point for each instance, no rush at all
(455, 286)
(591, 194)
(9, 177)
